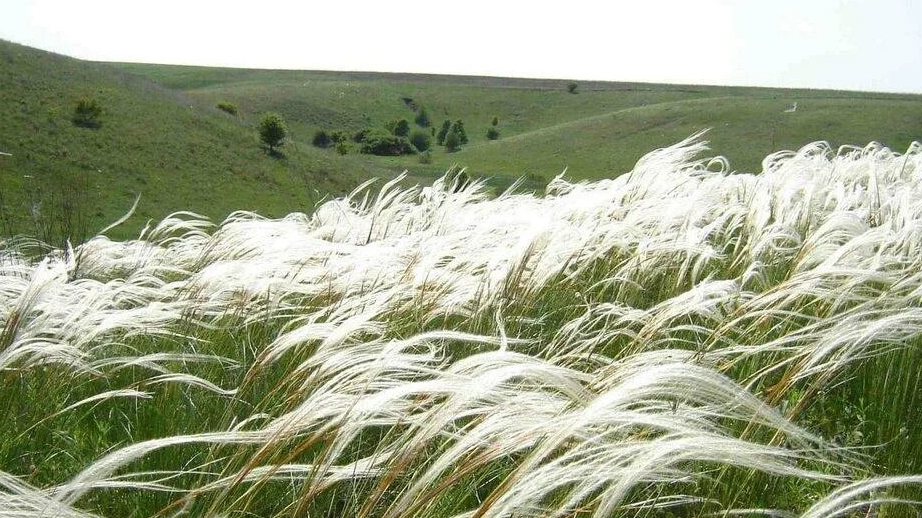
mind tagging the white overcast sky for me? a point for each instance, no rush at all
(855, 45)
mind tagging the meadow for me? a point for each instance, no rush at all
(163, 138)
(62, 181)
(677, 341)
(598, 132)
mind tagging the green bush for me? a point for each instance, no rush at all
(452, 141)
(227, 107)
(342, 147)
(411, 104)
(440, 138)
(458, 127)
(360, 135)
(272, 131)
(401, 128)
(339, 136)
(422, 118)
(495, 121)
(492, 133)
(385, 144)
(571, 87)
(87, 113)
(322, 139)
(421, 140)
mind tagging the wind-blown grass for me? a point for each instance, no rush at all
(676, 341)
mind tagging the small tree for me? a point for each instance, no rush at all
(272, 131)
(571, 87)
(420, 140)
(440, 138)
(452, 141)
(87, 113)
(362, 134)
(401, 128)
(458, 127)
(495, 121)
(422, 118)
(384, 144)
(339, 136)
(322, 139)
(492, 133)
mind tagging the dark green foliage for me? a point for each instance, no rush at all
(452, 141)
(227, 107)
(342, 147)
(495, 121)
(411, 104)
(492, 133)
(401, 128)
(420, 140)
(272, 131)
(385, 144)
(87, 113)
(571, 87)
(339, 136)
(322, 139)
(440, 138)
(360, 135)
(422, 118)
(458, 127)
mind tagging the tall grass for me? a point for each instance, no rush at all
(678, 341)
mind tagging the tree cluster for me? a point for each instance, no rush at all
(87, 114)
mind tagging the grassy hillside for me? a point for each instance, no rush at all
(598, 132)
(163, 138)
(174, 152)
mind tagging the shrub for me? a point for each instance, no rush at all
(342, 147)
(384, 144)
(422, 118)
(322, 139)
(420, 140)
(411, 104)
(492, 133)
(401, 128)
(339, 136)
(458, 127)
(87, 113)
(228, 107)
(360, 135)
(495, 121)
(272, 131)
(452, 141)
(571, 87)
(440, 138)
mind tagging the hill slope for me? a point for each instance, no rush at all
(598, 132)
(160, 144)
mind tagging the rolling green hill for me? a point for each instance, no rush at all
(600, 131)
(163, 138)
(170, 149)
